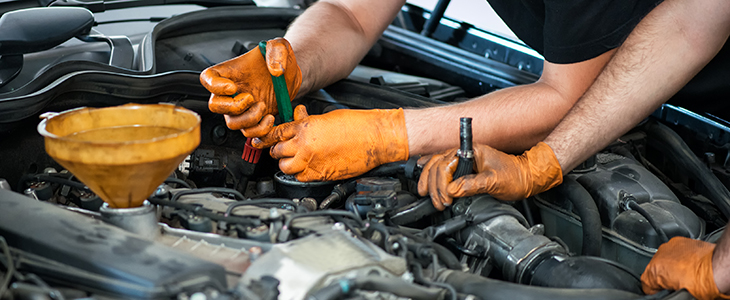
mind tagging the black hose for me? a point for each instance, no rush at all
(221, 190)
(446, 256)
(668, 142)
(203, 212)
(582, 272)
(389, 169)
(455, 224)
(587, 211)
(395, 286)
(488, 289)
(258, 202)
(177, 181)
(659, 231)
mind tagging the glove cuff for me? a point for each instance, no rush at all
(544, 167)
(394, 137)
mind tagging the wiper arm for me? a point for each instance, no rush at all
(101, 5)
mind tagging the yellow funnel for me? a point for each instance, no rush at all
(122, 153)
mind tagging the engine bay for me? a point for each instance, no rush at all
(227, 225)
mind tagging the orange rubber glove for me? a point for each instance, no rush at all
(339, 144)
(248, 77)
(504, 176)
(682, 263)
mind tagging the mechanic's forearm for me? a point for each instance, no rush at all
(721, 263)
(659, 57)
(511, 119)
(331, 37)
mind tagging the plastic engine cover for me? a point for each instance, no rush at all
(67, 247)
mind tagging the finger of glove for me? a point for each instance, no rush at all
(248, 119)
(439, 177)
(300, 112)
(261, 129)
(423, 180)
(432, 161)
(445, 174)
(292, 166)
(211, 79)
(280, 133)
(222, 104)
(470, 185)
(284, 149)
(277, 55)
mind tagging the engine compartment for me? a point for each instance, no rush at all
(221, 227)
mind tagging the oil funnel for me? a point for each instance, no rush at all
(121, 153)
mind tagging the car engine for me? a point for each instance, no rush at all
(228, 224)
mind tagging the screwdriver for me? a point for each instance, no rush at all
(251, 154)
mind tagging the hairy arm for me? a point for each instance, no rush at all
(660, 56)
(332, 36)
(512, 119)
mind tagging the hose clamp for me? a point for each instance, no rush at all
(465, 154)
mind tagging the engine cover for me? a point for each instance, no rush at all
(75, 250)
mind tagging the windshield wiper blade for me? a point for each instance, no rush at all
(101, 5)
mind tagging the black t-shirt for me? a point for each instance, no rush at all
(572, 31)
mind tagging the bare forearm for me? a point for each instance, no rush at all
(332, 36)
(661, 55)
(512, 119)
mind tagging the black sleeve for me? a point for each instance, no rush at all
(572, 31)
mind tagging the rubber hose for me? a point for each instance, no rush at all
(487, 289)
(587, 210)
(659, 231)
(582, 272)
(389, 169)
(668, 142)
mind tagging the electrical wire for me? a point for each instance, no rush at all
(53, 179)
(201, 211)
(257, 203)
(221, 190)
(327, 213)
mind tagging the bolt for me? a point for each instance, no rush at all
(254, 252)
(273, 213)
(198, 296)
(338, 226)
(219, 131)
(188, 57)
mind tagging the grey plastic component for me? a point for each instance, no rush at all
(627, 236)
(37, 29)
(312, 262)
(82, 252)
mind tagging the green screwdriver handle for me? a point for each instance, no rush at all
(281, 91)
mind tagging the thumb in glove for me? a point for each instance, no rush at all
(503, 176)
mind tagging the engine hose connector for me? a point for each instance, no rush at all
(466, 149)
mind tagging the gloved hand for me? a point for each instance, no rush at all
(339, 144)
(242, 88)
(504, 176)
(682, 263)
